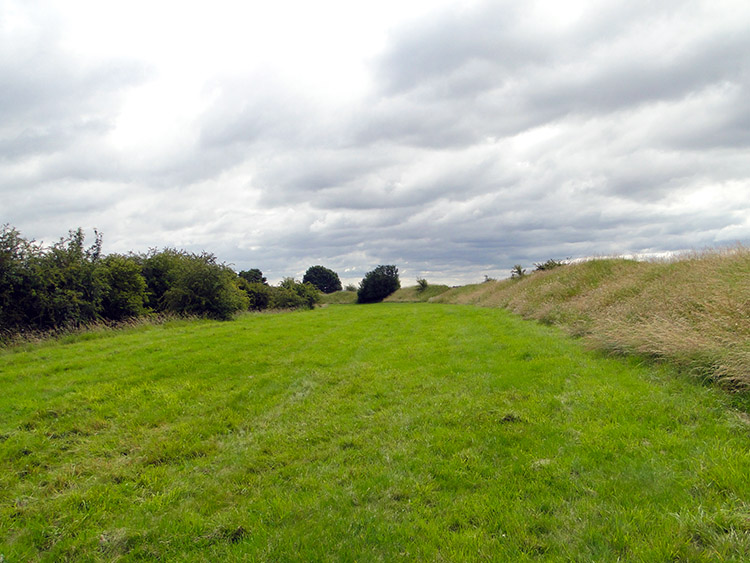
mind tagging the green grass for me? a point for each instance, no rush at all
(371, 433)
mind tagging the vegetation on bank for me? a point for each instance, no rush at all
(346, 297)
(693, 311)
(416, 293)
(397, 432)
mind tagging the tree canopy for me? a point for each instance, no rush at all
(378, 284)
(324, 279)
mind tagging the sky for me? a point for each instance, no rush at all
(452, 139)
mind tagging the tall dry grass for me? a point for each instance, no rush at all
(693, 310)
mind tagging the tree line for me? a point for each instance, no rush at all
(70, 284)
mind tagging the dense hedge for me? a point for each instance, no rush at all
(69, 285)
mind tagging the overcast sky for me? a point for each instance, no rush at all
(453, 139)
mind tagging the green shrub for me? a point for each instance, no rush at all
(203, 287)
(291, 294)
(124, 287)
(422, 284)
(378, 284)
(259, 294)
(66, 290)
(161, 270)
(550, 264)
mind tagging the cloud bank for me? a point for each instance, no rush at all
(453, 140)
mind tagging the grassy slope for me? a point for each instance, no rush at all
(694, 312)
(339, 298)
(413, 295)
(378, 432)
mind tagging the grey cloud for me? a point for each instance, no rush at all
(489, 72)
(487, 140)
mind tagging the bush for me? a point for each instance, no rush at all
(161, 270)
(66, 290)
(422, 285)
(124, 287)
(259, 294)
(324, 279)
(203, 287)
(550, 264)
(291, 294)
(517, 272)
(19, 299)
(378, 284)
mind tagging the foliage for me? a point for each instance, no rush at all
(258, 294)
(203, 287)
(324, 279)
(488, 279)
(160, 271)
(389, 433)
(71, 285)
(19, 288)
(517, 272)
(42, 289)
(350, 287)
(254, 275)
(422, 284)
(125, 288)
(550, 264)
(378, 284)
(291, 294)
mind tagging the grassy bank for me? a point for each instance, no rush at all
(415, 294)
(339, 298)
(381, 432)
(693, 311)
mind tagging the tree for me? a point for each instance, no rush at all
(378, 284)
(324, 279)
(254, 275)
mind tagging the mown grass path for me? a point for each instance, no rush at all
(363, 433)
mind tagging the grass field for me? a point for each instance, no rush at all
(368, 433)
